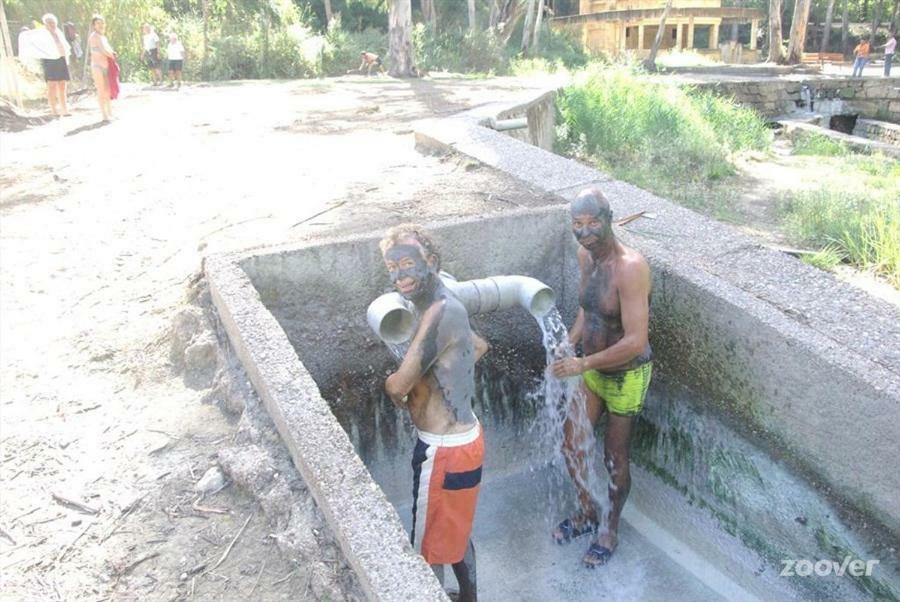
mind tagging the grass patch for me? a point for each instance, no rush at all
(826, 259)
(862, 229)
(673, 141)
(819, 145)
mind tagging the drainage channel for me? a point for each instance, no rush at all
(709, 516)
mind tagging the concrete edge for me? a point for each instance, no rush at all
(364, 523)
(858, 143)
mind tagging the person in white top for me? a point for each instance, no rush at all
(175, 54)
(150, 52)
(890, 46)
(49, 45)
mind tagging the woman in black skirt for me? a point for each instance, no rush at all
(56, 68)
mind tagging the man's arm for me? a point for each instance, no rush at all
(427, 345)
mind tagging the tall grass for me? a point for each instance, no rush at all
(817, 144)
(654, 134)
(856, 227)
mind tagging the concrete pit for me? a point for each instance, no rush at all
(715, 505)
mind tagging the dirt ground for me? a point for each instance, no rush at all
(102, 232)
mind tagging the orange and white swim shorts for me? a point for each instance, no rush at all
(446, 480)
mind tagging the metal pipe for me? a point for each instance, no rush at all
(392, 317)
(502, 125)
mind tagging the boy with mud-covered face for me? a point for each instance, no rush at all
(436, 383)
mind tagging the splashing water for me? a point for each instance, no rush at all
(557, 401)
(398, 350)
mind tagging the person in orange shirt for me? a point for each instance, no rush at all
(862, 57)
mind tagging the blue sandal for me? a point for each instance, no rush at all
(566, 531)
(596, 555)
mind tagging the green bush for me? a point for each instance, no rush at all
(862, 229)
(342, 48)
(459, 51)
(232, 57)
(622, 118)
(817, 144)
(291, 53)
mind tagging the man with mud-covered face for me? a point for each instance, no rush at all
(612, 326)
(436, 383)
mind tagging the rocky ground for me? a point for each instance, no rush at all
(136, 463)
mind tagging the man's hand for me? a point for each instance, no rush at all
(569, 366)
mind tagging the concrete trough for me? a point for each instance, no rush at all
(799, 365)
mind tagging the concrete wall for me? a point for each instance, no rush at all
(798, 357)
(319, 294)
(878, 130)
(872, 98)
(364, 523)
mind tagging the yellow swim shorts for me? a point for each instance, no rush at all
(623, 392)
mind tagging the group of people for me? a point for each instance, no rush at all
(435, 382)
(150, 53)
(863, 51)
(55, 50)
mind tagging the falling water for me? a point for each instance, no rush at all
(558, 399)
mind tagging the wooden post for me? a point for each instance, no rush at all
(640, 42)
(678, 36)
(690, 37)
(713, 36)
(754, 33)
(623, 41)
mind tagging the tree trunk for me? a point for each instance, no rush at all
(538, 21)
(509, 18)
(329, 14)
(473, 26)
(650, 63)
(429, 13)
(400, 52)
(798, 31)
(826, 34)
(776, 44)
(845, 28)
(876, 20)
(528, 28)
(894, 16)
(494, 18)
(205, 36)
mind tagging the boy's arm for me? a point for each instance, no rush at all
(429, 342)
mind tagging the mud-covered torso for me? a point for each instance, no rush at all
(602, 311)
(442, 401)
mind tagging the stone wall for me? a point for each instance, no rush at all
(870, 98)
(878, 130)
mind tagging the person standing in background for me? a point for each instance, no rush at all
(49, 45)
(150, 52)
(102, 55)
(861, 52)
(175, 54)
(890, 46)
